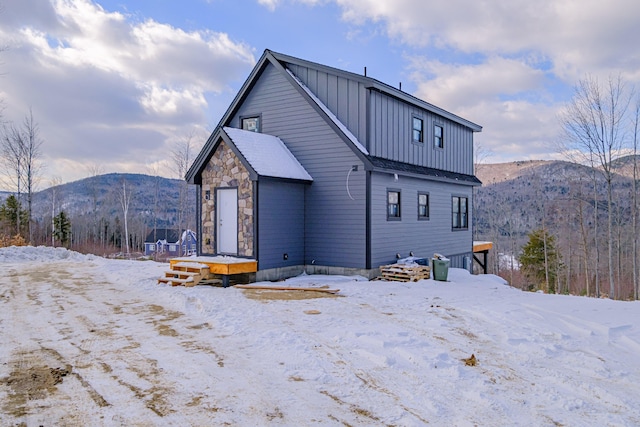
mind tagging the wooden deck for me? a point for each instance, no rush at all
(225, 266)
(482, 248)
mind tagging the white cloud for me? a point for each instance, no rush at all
(106, 87)
(458, 85)
(575, 36)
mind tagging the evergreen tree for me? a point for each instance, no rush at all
(12, 217)
(540, 261)
(62, 226)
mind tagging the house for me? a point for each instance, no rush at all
(164, 241)
(316, 169)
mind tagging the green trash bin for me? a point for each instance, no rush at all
(440, 269)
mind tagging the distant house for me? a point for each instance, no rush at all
(167, 242)
(321, 170)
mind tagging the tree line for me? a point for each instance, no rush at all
(117, 220)
(583, 240)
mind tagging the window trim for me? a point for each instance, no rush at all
(462, 226)
(258, 117)
(441, 137)
(399, 216)
(427, 216)
(415, 117)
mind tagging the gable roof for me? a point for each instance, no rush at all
(267, 155)
(171, 235)
(371, 83)
(279, 61)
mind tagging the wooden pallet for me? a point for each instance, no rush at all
(404, 273)
(185, 273)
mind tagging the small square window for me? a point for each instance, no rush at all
(438, 136)
(252, 124)
(418, 130)
(423, 206)
(393, 205)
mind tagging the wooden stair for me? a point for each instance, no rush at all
(185, 273)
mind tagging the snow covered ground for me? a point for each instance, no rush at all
(90, 341)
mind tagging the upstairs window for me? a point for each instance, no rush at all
(423, 206)
(418, 129)
(393, 205)
(252, 124)
(438, 136)
(459, 213)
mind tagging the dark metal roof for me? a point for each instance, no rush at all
(400, 167)
(171, 235)
(375, 84)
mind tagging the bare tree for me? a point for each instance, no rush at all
(95, 169)
(55, 183)
(593, 123)
(634, 199)
(181, 156)
(124, 196)
(20, 156)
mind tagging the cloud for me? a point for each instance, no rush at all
(106, 87)
(575, 36)
(507, 65)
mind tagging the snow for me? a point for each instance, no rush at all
(267, 154)
(381, 353)
(331, 116)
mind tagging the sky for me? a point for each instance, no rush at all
(117, 85)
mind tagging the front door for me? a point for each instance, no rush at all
(227, 224)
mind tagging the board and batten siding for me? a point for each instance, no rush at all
(422, 237)
(334, 205)
(345, 98)
(280, 223)
(390, 136)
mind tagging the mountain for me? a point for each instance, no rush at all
(94, 207)
(517, 198)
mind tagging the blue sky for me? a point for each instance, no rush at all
(115, 85)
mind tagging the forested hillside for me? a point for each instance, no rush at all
(94, 209)
(570, 202)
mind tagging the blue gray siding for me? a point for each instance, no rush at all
(422, 237)
(280, 223)
(335, 221)
(390, 136)
(346, 98)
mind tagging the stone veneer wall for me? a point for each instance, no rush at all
(225, 170)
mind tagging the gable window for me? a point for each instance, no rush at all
(423, 205)
(438, 136)
(418, 129)
(252, 124)
(393, 205)
(459, 213)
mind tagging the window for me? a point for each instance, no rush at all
(423, 205)
(438, 136)
(252, 124)
(460, 211)
(393, 204)
(207, 194)
(418, 130)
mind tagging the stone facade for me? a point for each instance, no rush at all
(225, 170)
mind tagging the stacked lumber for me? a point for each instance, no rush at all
(185, 274)
(404, 272)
